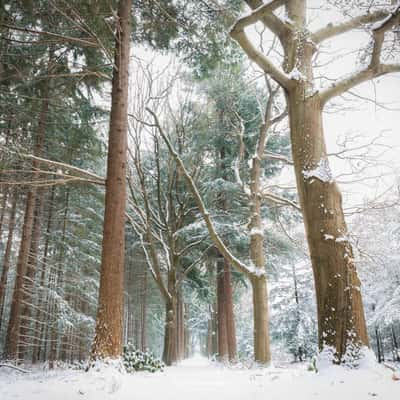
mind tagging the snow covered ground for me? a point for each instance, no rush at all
(198, 379)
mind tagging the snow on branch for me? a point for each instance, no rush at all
(84, 42)
(67, 167)
(279, 200)
(258, 14)
(237, 33)
(378, 31)
(260, 59)
(356, 79)
(239, 159)
(277, 157)
(200, 204)
(387, 23)
(332, 30)
(375, 67)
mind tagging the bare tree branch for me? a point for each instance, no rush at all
(332, 30)
(192, 186)
(237, 33)
(279, 200)
(93, 177)
(375, 67)
(269, 19)
(64, 38)
(258, 13)
(277, 157)
(354, 80)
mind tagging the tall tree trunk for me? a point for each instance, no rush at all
(378, 345)
(6, 191)
(212, 331)
(109, 325)
(221, 315)
(29, 282)
(227, 342)
(381, 344)
(130, 289)
(212, 339)
(230, 319)
(298, 354)
(3, 208)
(187, 335)
(143, 333)
(64, 343)
(130, 322)
(51, 328)
(12, 338)
(395, 345)
(341, 321)
(56, 280)
(136, 328)
(41, 304)
(262, 352)
(7, 254)
(82, 334)
(66, 332)
(170, 351)
(180, 326)
(53, 338)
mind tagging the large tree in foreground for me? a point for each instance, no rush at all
(341, 320)
(109, 322)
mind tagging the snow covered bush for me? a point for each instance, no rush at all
(137, 360)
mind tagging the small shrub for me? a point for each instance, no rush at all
(137, 360)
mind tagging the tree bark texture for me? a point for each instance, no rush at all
(109, 322)
(187, 336)
(180, 326)
(221, 313)
(226, 321)
(170, 351)
(29, 287)
(262, 352)
(143, 312)
(3, 208)
(261, 324)
(41, 303)
(230, 317)
(212, 338)
(7, 254)
(341, 321)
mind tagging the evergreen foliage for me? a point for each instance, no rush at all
(136, 360)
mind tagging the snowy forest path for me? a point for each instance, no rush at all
(199, 379)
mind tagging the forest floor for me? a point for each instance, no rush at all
(198, 379)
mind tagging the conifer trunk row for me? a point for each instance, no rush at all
(13, 338)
